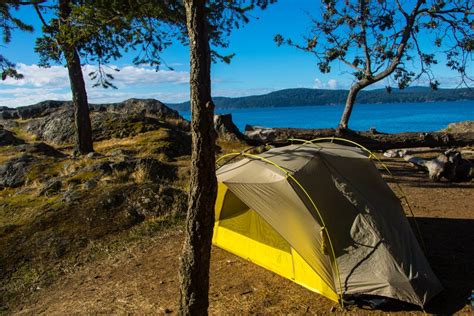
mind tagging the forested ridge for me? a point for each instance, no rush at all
(305, 96)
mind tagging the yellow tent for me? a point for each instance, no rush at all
(322, 216)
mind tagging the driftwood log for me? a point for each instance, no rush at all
(372, 140)
(449, 164)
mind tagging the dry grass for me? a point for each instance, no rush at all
(22, 133)
(141, 143)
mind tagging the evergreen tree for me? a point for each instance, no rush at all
(208, 25)
(9, 23)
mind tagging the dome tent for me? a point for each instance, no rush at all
(322, 216)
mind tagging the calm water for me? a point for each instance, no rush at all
(391, 118)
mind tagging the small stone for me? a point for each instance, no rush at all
(93, 154)
(90, 184)
(51, 187)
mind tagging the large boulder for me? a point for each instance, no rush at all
(460, 127)
(40, 109)
(57, 128)
(13, 172)
(55, 123)
(226, 129)
(41, 149)
(8, 138)
(146, 107)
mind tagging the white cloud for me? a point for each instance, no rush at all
(131, 75)
(52, 83)
(34, 76)
(330, 84)
(56, 77)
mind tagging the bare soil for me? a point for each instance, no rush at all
(142, 277)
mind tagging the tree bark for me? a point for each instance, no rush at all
(83, 142)
(351, 97)
(371, 78)
(195, 258)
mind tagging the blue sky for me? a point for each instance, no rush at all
(258, 67)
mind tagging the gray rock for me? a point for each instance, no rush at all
(125, 165)
(53, 121)
(90, 184)
(42, 149)
(13, 172)
(57, 128)
(8, 138)
(71, 195)
(93, 155)
(148, 107)
(103, 167)
(226, 129)
(154, 200)
(51, 187)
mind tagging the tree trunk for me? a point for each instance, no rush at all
(195, 258)
(83, 143)
(351, 97)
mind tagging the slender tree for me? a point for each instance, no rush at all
(59, 42)
(98, 32)
(208, 23)
(194, 273)
(82, 119)
(394, 40)
(9, 23)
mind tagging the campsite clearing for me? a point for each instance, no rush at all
(142, 277)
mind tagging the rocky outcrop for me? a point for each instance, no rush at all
(53, 121)
(146, 107)
(8, 138)
(226, 129)
(154, 200)
(41, 109)
(13, 172)
(57, 128)
(460, 127)
(41, 149)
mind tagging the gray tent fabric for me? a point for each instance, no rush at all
(375, 249)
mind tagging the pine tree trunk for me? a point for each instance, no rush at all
(351, 97)
(195, 258)
(83, 142)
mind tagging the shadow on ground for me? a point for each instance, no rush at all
(450, 251)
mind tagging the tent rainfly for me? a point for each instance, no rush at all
(322, 216)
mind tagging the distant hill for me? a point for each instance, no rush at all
(303, 96)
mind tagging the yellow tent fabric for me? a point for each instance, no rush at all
(246, 234)
(266, 213)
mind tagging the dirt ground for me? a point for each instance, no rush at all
(143, 277)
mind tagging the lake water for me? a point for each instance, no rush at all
(390, 118)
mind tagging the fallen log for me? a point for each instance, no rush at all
(449, 164)
(372, 140)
